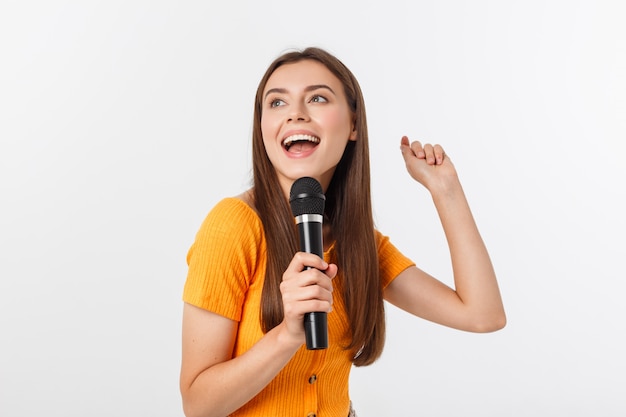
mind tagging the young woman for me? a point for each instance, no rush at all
(248, 287)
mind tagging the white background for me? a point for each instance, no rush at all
(123, 122)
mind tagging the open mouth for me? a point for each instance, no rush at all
(300, 143)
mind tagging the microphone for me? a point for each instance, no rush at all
(307, 205)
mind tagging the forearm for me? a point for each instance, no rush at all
(474, 276)
(225, 387)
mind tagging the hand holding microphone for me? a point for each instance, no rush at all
(307, 202)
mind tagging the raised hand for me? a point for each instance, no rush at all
(428, 164)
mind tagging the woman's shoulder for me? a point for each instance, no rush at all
(236, 208)
(231, 219)
(232, 215)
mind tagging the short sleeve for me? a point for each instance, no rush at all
(223, 258)
(390, 260)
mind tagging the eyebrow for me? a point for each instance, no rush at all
(307, 89)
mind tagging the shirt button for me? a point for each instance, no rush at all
(312, 379)
(311, 415)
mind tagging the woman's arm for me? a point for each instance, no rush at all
(475, 304)
(212, 383)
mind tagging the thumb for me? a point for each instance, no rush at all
(408, 153)
(405, 147)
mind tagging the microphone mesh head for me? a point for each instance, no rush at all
(306, 197)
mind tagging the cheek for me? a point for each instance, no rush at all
(265, 126)
(340, 124)
(269, 129)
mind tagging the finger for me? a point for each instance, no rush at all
(316, 292)
(303, 290)
(405, 148)
(439, 154)
(310, 291)
(418, 150)
(313, 277)
(302, 260)
(297, 276)
(299, 308)
(430, 154)
(298, 296)
(331, 271)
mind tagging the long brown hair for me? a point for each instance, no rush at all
(349, 211)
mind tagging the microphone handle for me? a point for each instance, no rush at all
(315, 323)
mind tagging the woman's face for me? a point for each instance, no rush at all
(306, 122)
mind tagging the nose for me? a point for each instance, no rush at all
(298, 113)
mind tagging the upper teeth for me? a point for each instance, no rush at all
(295, 138)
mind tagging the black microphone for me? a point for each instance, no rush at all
(307, 205)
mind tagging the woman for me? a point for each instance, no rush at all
(248, 287)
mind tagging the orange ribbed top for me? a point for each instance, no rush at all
(226, 272)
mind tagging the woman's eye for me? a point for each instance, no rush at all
(318, 99)
(276, 102)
